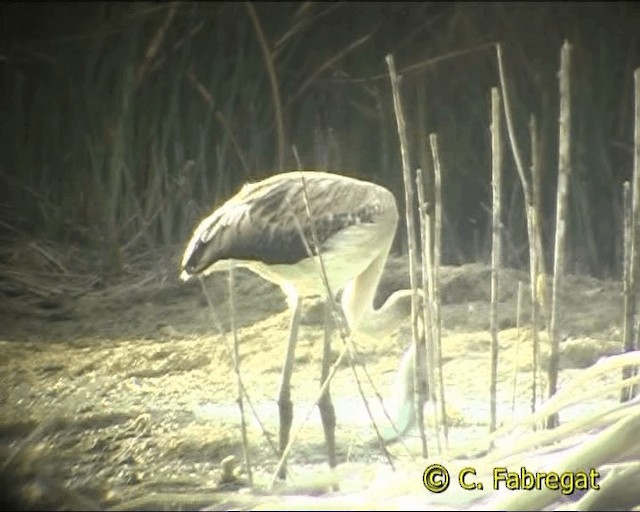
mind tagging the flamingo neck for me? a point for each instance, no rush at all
(357, 302)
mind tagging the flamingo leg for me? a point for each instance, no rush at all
(327, 412)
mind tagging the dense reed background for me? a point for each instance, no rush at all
(122, 123)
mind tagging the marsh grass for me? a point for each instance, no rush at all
(121, 135)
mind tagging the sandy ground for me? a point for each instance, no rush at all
(127, 399)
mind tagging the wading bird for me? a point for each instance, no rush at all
(266, 228)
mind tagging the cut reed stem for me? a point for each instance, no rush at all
(564, 172)
(420, 378)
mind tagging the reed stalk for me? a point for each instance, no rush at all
(496, 249)
(420, 377)
(564, 173)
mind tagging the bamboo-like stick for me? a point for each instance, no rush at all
(630, 341)
(435, 287)
(496, 177)
(427, 317)
(411, 242)
(536, 258)
(627, 281)
(526, 190)
(517, 362)
(564, 172)
(536, 195)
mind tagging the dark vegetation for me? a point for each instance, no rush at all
(123, 123)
